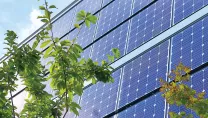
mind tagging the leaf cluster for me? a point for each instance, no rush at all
(176, 92)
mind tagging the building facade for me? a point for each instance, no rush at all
(153, 36)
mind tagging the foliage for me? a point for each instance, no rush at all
(67, 71)
(176, 92)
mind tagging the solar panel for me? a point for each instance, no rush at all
(149, 23)
(139, 4)
(191, 45)
(112, 15)
(105, 2)
(115, 39)
(141, 76)
(64, 23)
(152, 107)
(89, 5)
(100, 99)
(184, 8)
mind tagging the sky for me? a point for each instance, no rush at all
(21, 17)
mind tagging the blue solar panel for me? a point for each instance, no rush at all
(152, 107)
(64, 23)
(139, 4)
(191, 45)
(105, 2)
(100, 99)
(149, 23)
(89, 5)
(199, 82)
(141, 76)
(184, 8)
(112, 15)
(115, 39)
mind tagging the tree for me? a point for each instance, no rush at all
(67, 72)
(176, 92)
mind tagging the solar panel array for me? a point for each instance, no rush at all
(127, 25)
(100, 99)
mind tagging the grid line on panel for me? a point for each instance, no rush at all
(129, 29)
(121, 23)
(96, 26)
(169, 56)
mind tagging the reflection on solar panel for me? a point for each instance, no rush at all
(149, 23)
(152, 107)
(184, 8)
(100, 99)
(112, 15)
(141, 76)
(115, 39)
(191, 45)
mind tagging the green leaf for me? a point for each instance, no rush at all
(48, 51)
(110, 58)
(78, 90)
(56, 40)
(44, 20)
(92, 19)
(52, 6)
(35, 44)
(42, 8)
(77, 26)
(65, 43)
(78, 47)
(87, 22)
(74, 104)
(47, 14)
(45, 43)
(116, 52)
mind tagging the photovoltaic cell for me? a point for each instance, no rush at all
(191, 45)
(149, 23)
(112, 15)
(100, 99)
(115, 39)
(141, 76)
(152, 107)
(64, 23)
(89, 6)
(199, 82)
(139, 4)
(184, 8)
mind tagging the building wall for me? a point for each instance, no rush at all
(133, 26)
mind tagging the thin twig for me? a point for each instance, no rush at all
(12, 104)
